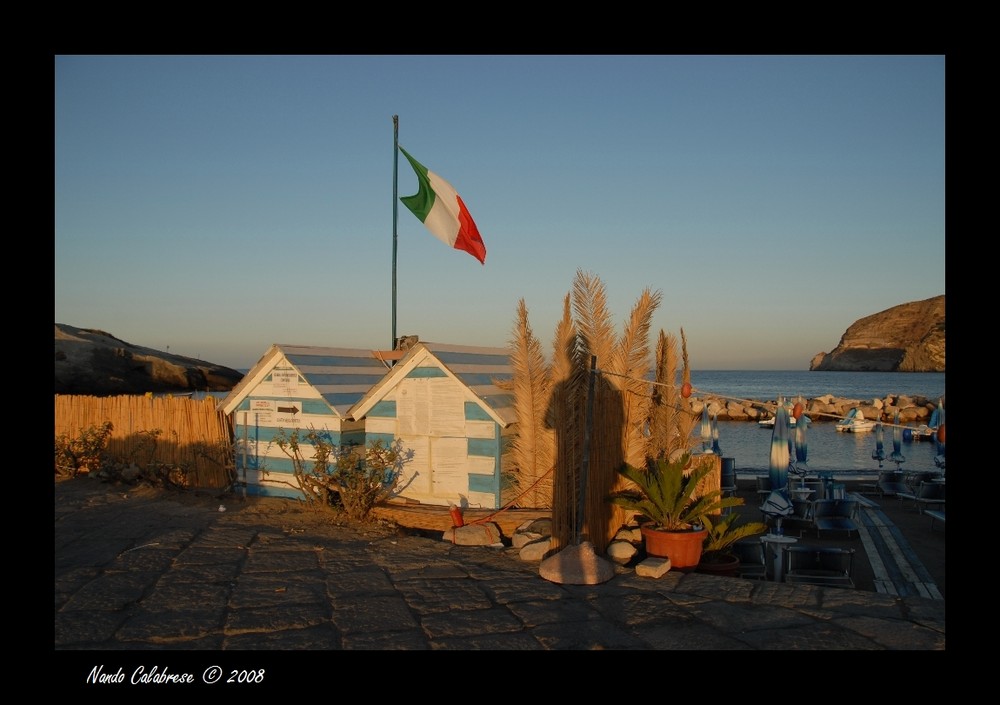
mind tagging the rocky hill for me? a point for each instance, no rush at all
(905, 338)
(97, 363)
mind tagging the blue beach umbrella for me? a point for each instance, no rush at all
(801, 447)
(879, 452)
(939, 439)
(706, 429)
(778, 504)
(715, 435)
(897, 442)
(801, 465)
(780, 455)
(936, 417)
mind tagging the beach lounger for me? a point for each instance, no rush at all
(936, 515)
(928, 495)
(835, 515)
(913, 479)
(888, 484)
(751, 555)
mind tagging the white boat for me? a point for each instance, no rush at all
(855, 422)
(923, 432)
(769, 422)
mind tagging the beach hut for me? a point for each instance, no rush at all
(297, 388)
(442, 403)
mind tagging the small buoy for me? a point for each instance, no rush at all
(797, 410)
(940, 434)
(456, 516)
(686, 390)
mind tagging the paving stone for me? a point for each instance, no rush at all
(253, 578)
(359, 614)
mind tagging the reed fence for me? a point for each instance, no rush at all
(187, 432)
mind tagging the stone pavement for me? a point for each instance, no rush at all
(140, 569)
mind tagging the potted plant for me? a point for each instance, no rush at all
(665, 495)
(717, 554)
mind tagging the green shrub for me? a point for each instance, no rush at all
(353, 478)
(84, 453)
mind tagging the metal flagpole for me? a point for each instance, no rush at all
(395, 205)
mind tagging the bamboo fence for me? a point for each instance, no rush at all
(187, 432)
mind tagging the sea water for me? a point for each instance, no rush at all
(829, 450)
(768, 385)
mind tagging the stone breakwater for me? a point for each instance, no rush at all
(914, 410)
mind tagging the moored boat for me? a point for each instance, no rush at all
(769, 422)
(923, 432)
(855, 422)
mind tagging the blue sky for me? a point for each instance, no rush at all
(214, 205)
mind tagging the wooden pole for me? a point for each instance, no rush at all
(585, 463)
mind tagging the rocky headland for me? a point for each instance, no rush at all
(905, 338)
(96, 363)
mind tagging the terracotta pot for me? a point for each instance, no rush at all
(683, 548)
(725, 564)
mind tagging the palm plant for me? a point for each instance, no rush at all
(666, 496)
(725, 532)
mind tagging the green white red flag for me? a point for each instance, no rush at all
(442, 211)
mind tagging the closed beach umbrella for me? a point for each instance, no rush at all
(715, 435)
(936, 416)
(778, 504)
(879, 452)
(780, 456)
(939, 439)
(801, 447)
(706, 428)
(897, 441)
(800, 467)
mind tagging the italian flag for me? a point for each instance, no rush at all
(441, 209)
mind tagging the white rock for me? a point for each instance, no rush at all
(653, 567)
(577, 565)
(483, 534)
(621, 552)
(523, 538)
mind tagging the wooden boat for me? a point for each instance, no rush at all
(428, 517)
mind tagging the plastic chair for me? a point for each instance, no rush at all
(751, 555)
(763, 488)
(728, 478)
(818, 488)
(819, 565)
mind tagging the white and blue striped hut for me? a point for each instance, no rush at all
(441, 402)
(296, 388)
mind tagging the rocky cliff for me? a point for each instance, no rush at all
(905, 338)
(97, 363)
